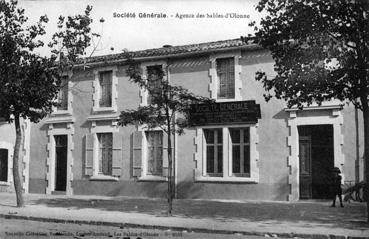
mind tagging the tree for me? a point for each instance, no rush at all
(321, 53)
(30, 82)
(168, 110)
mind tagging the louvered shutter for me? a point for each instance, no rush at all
(89, 154)
(226, 78)
(137, 154)
(117, 154)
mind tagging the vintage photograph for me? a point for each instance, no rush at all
(184, 119)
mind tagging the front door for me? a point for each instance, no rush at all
(305, 167)
(316, 158)
(61, 157)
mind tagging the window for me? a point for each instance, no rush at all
(227, 154)
(226, 78)
(3, 165)
(63, 94)
(240, 138)
(154, 78)
(214, 151)
(154, 153)
(105, 81)
(105, 151)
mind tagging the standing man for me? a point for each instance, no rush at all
(336, 186)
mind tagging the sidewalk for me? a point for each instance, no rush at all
(311, 219)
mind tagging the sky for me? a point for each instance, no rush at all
(136, 32)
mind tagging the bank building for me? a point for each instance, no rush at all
(242, 148)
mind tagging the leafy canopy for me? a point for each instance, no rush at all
(320, 49)
(30, 82)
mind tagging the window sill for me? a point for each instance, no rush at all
(105, 109)
(62, 112)
(227, 100)
(3, 183)
(226, 180)
(152, 178)
(103, 178)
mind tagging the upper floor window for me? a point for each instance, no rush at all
(63, 94)
(105, 81)
(225, 68)
(154, 78)
(154, 153)
(105, 152)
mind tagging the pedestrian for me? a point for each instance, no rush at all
(336, 186)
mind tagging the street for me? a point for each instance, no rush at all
(12, 228)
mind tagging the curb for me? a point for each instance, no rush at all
(175, 228)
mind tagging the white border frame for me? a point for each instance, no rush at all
(213, 86)
(50, 174)
(96, 90)
(69, 111)
(200, 174)
(143, 92)
(334, 117)
(113, 128)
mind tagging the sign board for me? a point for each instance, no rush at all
(237, 112)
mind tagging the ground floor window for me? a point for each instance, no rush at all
(105, 153)
(154, 153)
(214, 152)
(3, 165)
(227, 153)
(240, 140)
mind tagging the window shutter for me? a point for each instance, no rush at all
(89, 139)
(137, 154)
(117, 154)
(165, 153)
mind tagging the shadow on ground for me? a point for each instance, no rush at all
(352, 216)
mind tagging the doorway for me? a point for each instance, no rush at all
(316, 158)
(61, 158)
(3, 165)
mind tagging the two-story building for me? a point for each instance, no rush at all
(274, 153)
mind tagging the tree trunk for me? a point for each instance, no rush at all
(170, 177)
(16, 157)
(364, 102)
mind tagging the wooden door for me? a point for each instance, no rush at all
(61, 162)
(305, 167)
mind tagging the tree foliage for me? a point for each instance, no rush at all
(320, 49)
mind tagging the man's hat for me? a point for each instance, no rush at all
(336, 170)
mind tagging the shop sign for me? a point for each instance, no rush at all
(237, 112)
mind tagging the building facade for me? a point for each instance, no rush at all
(282, 154)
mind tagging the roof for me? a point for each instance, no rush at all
(175, 51)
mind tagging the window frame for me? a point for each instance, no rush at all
(95, 130)
(100, 149)
(214, 77)
(228, 176)
(144, 94)
(144, 160)
(97, 89)
(69, 109)
(158, 146)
